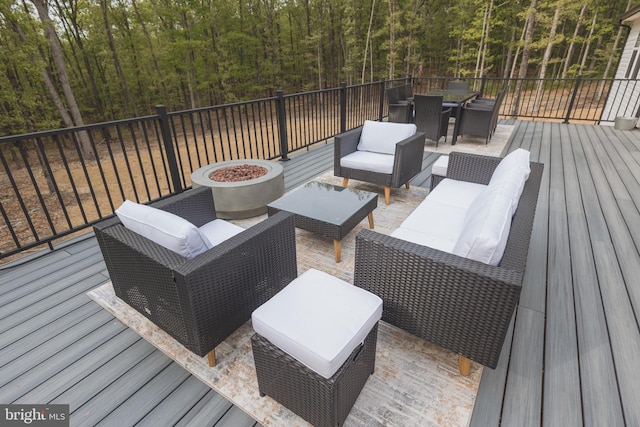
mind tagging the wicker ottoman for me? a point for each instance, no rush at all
(315, 346)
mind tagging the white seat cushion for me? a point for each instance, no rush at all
(219, 230)
(511, 175)
(486, 228)
(164, 228)
(382, 137)
(440, 166)
(442, 242)
(318, 319)
(456, 193)
(368, 161)
(438, 221)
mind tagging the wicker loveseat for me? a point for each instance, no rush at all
(459, 303)
(199, 301)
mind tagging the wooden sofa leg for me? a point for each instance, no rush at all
(345, 181)
(387, 195)
(211, 358)
(464, 365)
(406, 185)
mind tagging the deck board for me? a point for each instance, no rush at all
(569, 357)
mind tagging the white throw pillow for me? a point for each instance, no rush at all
(511, 174)
(382, 137)
(164, 228)
(486, 228)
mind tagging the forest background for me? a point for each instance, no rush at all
(72, 62)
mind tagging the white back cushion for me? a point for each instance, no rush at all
(486, 228)
(382, 137)
(511, 174)
(164, 228)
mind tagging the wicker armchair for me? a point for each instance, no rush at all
(407, 161)
(463, 305)
(431, 118)
(202, 300)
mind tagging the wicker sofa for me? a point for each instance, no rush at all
(201, 300)
(459, 303)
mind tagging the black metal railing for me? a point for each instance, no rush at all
(57, 183)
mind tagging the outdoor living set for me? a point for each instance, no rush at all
(451, 273)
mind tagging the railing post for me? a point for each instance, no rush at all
(382, 88)
(343, 107)
(282, 126)
(165, 131)
(573, 99)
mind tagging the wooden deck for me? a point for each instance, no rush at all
(568, 360)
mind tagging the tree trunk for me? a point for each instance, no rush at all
(366, 45)
(569, 57)
(116, 61)
(392, 39)
(546, 57)
(56, 53)
(526, 53)
(145, 31)
(588, 46)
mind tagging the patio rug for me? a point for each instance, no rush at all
(471, 144)
(415, 382)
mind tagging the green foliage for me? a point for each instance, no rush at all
(186, 53)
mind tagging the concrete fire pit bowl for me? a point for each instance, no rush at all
(242, 199)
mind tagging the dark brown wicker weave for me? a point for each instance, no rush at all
(407, 162)
(320, 401)
(199, 301)
(463, 305)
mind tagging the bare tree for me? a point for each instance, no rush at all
(572, 44)
(547, 56)
(526, 53)
(366, 45)
(58, 60)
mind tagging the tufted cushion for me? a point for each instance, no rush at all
(511, 175)
(318, 319)
(382, 137)
(486, 227)
(164, 228)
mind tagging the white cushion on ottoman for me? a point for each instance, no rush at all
(318, 319)
(440, 166)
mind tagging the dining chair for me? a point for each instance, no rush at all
(430, 117)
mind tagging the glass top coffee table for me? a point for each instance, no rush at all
(328, 210)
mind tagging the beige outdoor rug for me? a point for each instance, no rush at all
(470, 144)
(415, 382)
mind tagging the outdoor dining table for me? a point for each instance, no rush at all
(458, 97)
